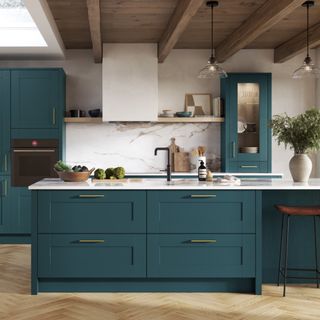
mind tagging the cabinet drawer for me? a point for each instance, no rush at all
(91, 256)
(248, 167)
(201, 255)
(201, 212)
(92, 212)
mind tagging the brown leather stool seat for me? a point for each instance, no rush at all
(299, 211)
(287, 212)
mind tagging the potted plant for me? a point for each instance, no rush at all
(302, 134)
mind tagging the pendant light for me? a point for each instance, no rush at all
(212, 69)
(308, 69)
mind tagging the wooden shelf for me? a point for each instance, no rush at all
(191, 120)
(160, 120)
(83, 120)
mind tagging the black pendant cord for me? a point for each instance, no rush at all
(211, 31)
(308, 53)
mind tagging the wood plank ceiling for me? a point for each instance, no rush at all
(145, 21)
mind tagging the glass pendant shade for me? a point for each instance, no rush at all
(308, 69)
(212, 70)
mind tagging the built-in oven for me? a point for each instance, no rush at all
(33, 160)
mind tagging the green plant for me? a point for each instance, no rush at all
(301, 133)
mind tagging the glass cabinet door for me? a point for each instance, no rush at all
(249, 115)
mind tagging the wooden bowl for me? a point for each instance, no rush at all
(74, 176)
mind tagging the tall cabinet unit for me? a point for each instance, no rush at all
(32, 107)
(245, 134)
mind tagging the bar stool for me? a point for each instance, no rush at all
(287, 212)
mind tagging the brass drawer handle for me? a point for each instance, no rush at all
(249, 166)
(203, 241)
(91, 241)
(92, 196)
(203, 196)
(54, 116)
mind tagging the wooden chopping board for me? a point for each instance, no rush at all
(181, 162)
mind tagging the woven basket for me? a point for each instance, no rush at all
(74, 176)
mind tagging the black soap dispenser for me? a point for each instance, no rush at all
(202, 172)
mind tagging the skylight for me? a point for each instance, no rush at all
(17, 28)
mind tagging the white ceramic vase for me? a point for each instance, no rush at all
(300, 167)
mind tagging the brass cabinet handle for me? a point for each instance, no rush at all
(5, 165)
(5, 188)
(33, 150)
(92, 196)
(203, 196)
(249, 166)
(233, 149)
(91, 241)
(203, 241)
(54, 116)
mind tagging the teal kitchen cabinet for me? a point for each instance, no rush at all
(15, 210)
(5, 122)
(91, 256)
(109, 212)
(37, 98)
(245, 134)
(201, 255)
(146, 240)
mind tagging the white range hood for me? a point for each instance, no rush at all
(130, 82)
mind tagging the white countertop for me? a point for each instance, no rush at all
(195, 174)
(177, 184)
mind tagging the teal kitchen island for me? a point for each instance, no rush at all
(150, 235)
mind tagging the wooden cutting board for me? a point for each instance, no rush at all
(181, 162)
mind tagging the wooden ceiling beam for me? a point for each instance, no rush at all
(94, 16)
(297, 44)
(265, 17)
(178, 23)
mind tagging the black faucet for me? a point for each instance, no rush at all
(168, 163)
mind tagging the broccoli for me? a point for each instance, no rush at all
(100, 174)
(119, 172)
(109, 173)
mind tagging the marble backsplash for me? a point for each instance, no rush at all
(132, 145)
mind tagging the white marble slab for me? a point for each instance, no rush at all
(178, 184)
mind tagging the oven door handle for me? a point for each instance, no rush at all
(33, 150)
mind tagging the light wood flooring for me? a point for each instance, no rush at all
(16, 303)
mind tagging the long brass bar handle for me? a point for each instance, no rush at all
(203, 241)
(92, 196)
(233, 149)
(54, 116)
(203, 196)
(249, 166)
(33, 150)
(5, 188)
(5, 165)
(91, 241)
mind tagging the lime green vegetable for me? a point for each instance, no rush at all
(99, 174)
(109, 173)
(119, 172)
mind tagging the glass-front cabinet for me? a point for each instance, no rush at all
(246, 136)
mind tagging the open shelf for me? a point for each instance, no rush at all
(208, 119)
(83, 120)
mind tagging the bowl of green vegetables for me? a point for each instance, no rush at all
(72, 174)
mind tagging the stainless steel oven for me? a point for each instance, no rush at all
(33, 160)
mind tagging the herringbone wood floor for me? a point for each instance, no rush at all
(16, 303)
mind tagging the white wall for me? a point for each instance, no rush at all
(177, 76)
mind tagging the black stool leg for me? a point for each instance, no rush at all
(280, 254)
(286, 257)
(316, 248)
